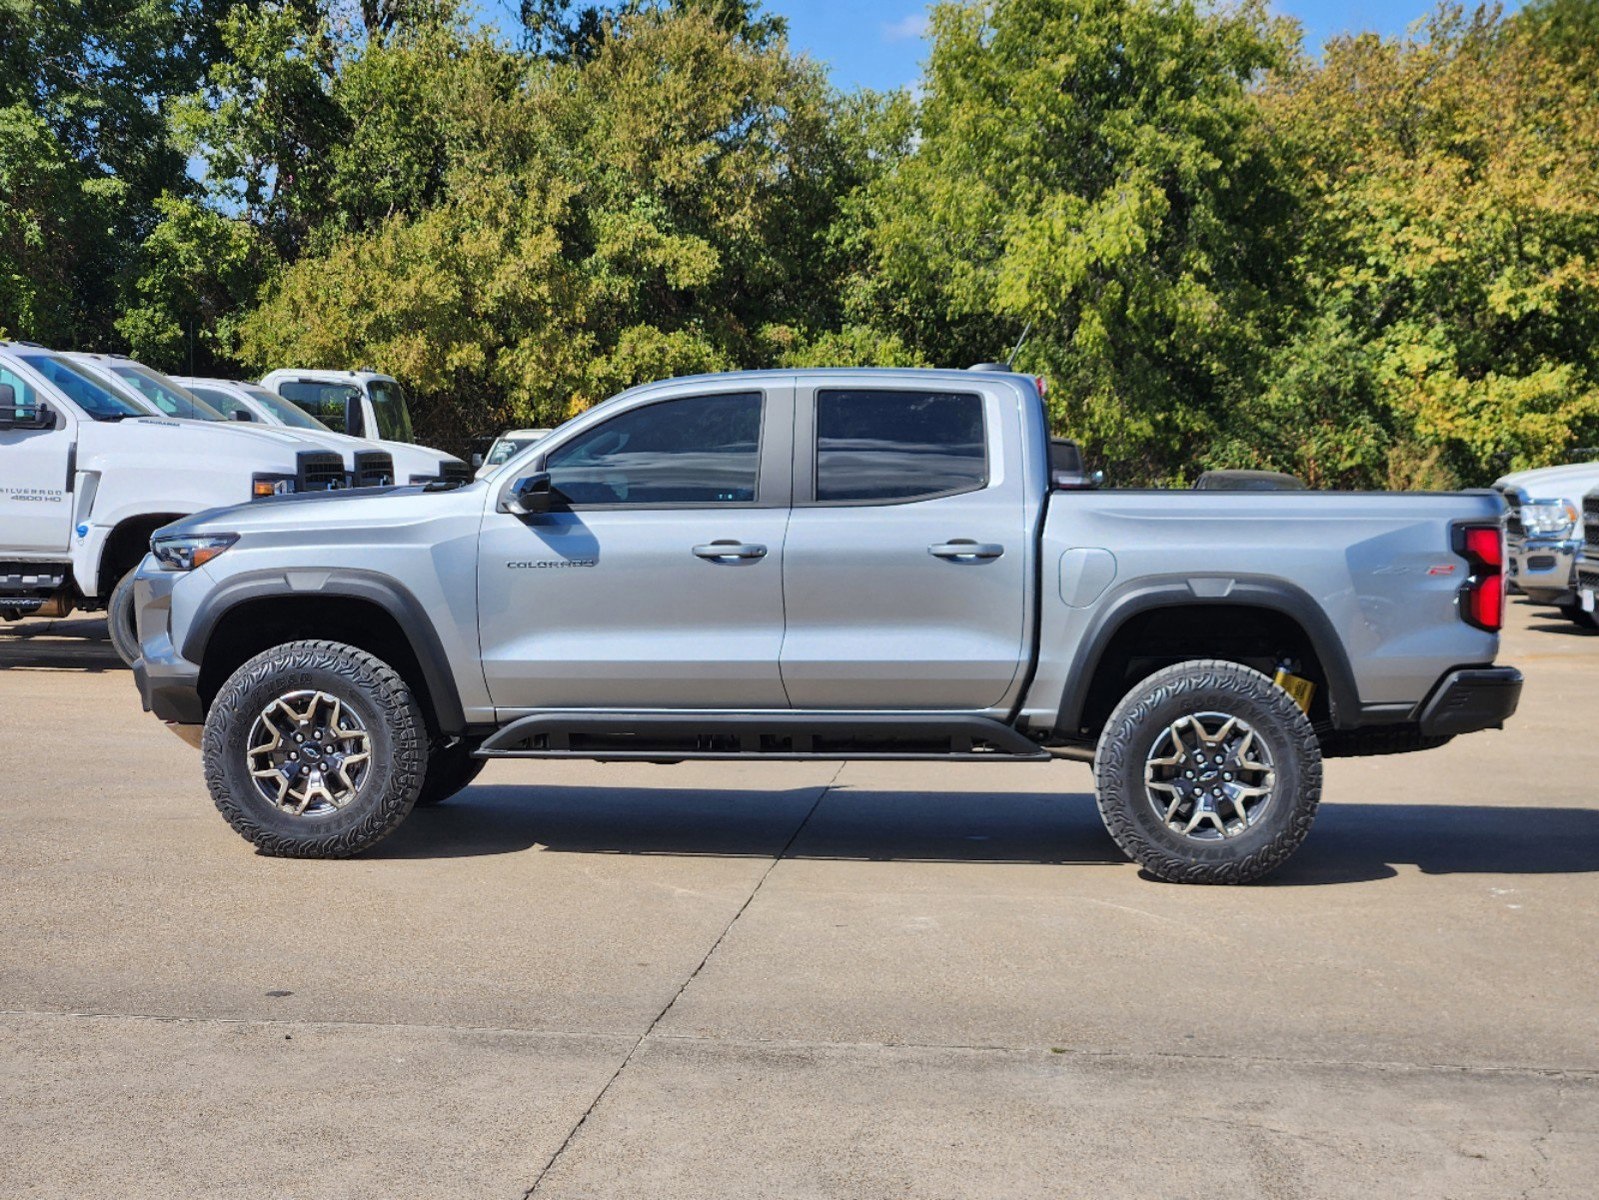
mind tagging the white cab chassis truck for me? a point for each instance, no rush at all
(372, 463)
(364, 404)
(87, 475)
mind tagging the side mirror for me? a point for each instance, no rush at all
(530, 495)
(352, 417)
(12, 416)
(477, 461)
(243, 414)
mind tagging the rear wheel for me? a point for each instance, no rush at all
(1208, 772)
(119, 619)
(314, 750)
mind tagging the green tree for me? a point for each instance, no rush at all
(1097, 170)
(1449, 255)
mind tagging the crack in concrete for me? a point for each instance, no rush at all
(683, 987)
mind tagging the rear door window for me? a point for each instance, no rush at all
(883, 446)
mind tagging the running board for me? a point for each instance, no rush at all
(672, 736)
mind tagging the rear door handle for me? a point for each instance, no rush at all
(965, 548)
(721, 550)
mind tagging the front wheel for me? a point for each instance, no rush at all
(119, 619)
(1208, 772)
(314, 750)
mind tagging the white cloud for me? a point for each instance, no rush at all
(908, 28)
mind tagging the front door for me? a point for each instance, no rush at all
(656, 581)
(35, 486)
(907, 566)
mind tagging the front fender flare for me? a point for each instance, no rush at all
(389, 595)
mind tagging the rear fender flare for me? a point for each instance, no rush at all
(1149, 595)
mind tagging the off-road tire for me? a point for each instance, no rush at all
(394, 723)
(1146, 712)
(450, 768)
(119, 620)
(1575, 614)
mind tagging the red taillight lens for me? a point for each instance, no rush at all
(1482, 599)
(1484, 545)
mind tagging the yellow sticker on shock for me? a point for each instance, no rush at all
(1300, 689)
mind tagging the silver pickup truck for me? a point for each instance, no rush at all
(825, 564)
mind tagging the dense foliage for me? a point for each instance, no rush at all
(1375, 265)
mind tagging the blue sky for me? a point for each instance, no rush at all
(880, 44)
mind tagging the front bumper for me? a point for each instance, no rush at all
(169, 684)
(1545, 568)
(1471, 698)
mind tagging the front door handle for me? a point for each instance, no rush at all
(963, 548)
(724, 550)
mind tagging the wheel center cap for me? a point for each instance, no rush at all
(311, 751)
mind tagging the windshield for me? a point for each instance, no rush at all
(289, 414)
(99, 400)
(388, 405)
(502, 450)
(166, 395)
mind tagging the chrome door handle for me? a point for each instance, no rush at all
(966, 548)
(720, 550)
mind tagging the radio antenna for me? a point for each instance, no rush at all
(1010, 362)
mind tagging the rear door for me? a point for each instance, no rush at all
(907, 567)
(657, 580)
(36, 474)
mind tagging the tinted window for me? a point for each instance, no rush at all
(218, 399)
(699, 450)
(881, 445)
(165, 395)
(289, 414)
(95, 397)
(389, 407)
(324, 401)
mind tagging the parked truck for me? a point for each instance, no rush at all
(873, 564)
(87, 475)
(364, 404)
(1543, 528)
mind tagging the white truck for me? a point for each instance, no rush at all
(1544, 533)
(87, 475)
(372, 462)
(364, 404)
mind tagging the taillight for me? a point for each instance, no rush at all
(1482, 596)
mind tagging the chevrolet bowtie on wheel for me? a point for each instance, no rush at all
(850, 564)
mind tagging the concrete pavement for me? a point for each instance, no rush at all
(792, 979)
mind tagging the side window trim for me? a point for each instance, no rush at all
(805, 447)
(773, 477)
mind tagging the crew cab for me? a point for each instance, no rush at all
(364, 404)
(87, 475)
(822, 564)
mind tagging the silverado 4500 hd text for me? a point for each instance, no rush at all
(823, 564)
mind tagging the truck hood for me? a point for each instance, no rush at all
(1569, 481)
(157, 442)
(311, 514)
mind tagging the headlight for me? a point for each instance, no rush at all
(1549, 518)
(270, 485)
(187, 553)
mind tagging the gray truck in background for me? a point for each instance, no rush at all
(840, 564)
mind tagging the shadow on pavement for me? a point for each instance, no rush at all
(1350, 843)
(1569, 628)
(81, 645)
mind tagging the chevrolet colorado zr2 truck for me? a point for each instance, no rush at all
(836, 564)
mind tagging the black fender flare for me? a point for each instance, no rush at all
(1177, 591)
(396, 600)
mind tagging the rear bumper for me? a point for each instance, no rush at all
(1471, 698)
